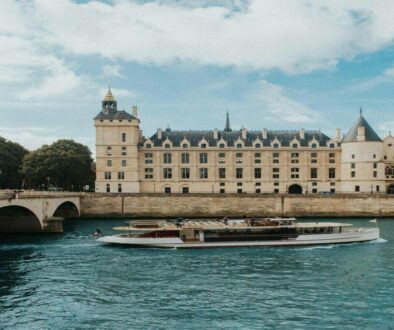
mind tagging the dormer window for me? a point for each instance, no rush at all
(257, 145)
(332, 145)
(148, 146)
(239, 145)
(167, 145)
(294, 145)
(203, 145)
(222, 145)
(185, 146)
(275, 145)
(314, 145)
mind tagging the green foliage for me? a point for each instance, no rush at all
(11, 155)
(65, 164)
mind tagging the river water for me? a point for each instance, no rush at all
(69, 281)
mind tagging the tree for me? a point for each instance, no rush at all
(65, 164)
(11, 155)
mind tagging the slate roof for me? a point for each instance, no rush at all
(370, 134)
(118, 115)
(194, 137)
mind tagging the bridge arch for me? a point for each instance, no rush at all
(66, 210)
(19, 219)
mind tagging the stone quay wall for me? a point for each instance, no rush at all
(234, 205)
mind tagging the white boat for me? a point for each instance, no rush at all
(267, 232)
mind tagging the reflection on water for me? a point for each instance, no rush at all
(70, 281)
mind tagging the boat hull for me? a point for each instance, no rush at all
(356, 236)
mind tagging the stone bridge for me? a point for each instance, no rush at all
(34, 212)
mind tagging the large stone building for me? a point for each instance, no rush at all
(238, 161)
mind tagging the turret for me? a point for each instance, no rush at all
(362, 163)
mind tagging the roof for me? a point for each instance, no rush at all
(118, 115)
(109, 96)
(194, 137)
(370, 135)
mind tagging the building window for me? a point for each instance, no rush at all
(222, 155)
(123, 137)
(257, 145)
(374, 156)
(108, 188)
(375, 165)
(238, 156)
(222, 184)
(294, 155)
(377, 188)
(276, 191)
(167, 146)
(239, 191)
(275, 145)
(124, 162)
(149, 173)
(258, 190)
(124, 151)
(222, 173)
(185, 146)
(313, 173)
(222, 145)
(148, 158)
(275, 173)
(167, 158)
(257, 173)
(222, 190)
(353, 156)
(203, 173)
(120, 175)
(276, 184)
(109, 151)
(239, 173)
(185, 173)
(167, 173)
(331, 173)
(185, 190)
(331, 155)
(239, 145)
(119, 187)
(167, 190)
(314, 145)
(148, 146)
(295, 172)
(185, 158)
(353, 174)
(375, 174)
(357, 188)
(109, 162)
(203, 145)
(332, 145)
(294, 145)
(107, 175)
(353, 165)
(203, 158)
(257, 158)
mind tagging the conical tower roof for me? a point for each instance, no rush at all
(370, 134)
(109, 96)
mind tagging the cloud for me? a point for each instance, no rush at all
(386, 127)
(387, 76)
(278, 106)
(292, 36)
(112, 70)
(33, 137)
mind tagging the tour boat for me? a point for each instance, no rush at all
(267, 232)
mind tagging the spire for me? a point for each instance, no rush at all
(368, 132)
(361, 111)
(227, 128)
(109, 96)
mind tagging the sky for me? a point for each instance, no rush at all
(276, 64)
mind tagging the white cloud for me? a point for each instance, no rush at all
(112, 70)
(293, 36)
(280, 107)
(386, 127)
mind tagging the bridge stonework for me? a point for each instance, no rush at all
(23, 212)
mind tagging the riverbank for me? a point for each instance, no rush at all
(235, 205)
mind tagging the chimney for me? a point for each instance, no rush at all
(159, 133)
(134, 111)
(265, 133)
(302, 133)
(361, 133)
(243, 133)
(338, 134)
(216, 134)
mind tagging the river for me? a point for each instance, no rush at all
(69, 281)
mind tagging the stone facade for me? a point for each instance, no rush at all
(242, 161)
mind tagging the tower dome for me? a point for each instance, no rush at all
(109, 104)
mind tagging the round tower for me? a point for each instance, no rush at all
(362, 160)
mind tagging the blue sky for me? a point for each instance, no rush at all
(273, 64)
